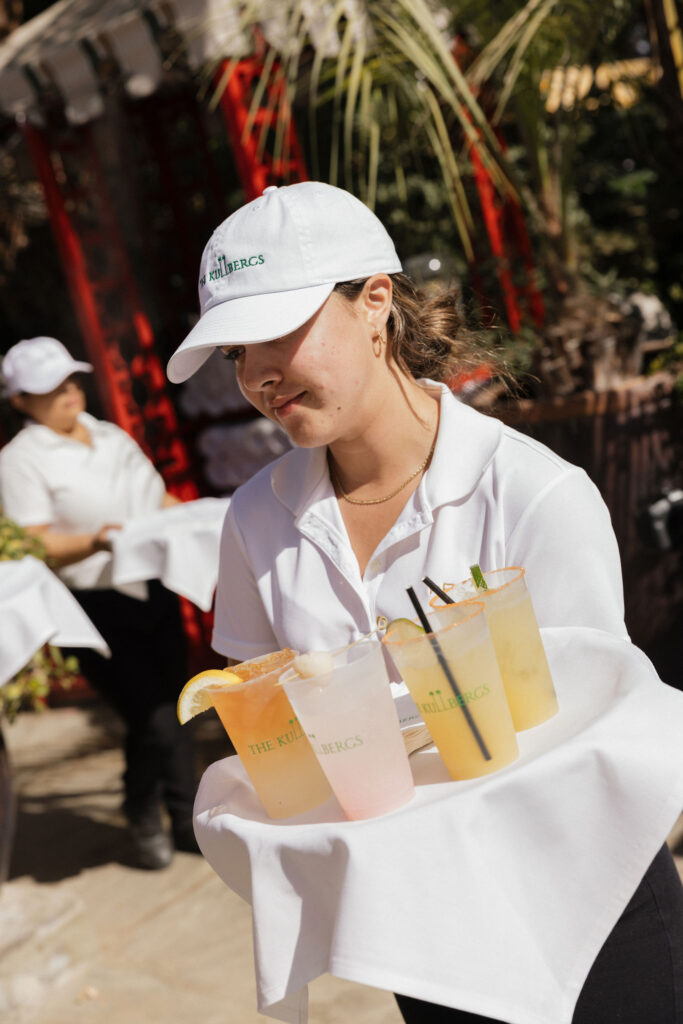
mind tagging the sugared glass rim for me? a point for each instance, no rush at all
(477, 605)
(477, 596)
(238, 687)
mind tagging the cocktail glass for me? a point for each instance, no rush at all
(467, 715)
(517, 641)
(350, 719)
(270, 742)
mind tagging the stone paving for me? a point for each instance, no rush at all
(86, 938)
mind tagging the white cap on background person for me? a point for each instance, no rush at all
(272, 264)
(38, 365)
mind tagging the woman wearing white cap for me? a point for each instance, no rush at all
(392, 479)
(69, 479)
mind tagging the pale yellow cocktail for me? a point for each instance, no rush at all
(266, 734)
(479, 705)
(517, 641)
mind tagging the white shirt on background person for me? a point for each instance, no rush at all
(46, 478)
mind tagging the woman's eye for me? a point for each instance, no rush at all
(232, 353)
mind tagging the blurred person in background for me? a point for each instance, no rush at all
(69, 478)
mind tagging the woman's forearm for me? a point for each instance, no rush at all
(67, 548)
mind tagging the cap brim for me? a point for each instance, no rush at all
(57, 379)
(245, 321)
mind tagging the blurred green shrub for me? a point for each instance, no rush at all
(30, 687)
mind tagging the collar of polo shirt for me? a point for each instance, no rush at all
(454, 472)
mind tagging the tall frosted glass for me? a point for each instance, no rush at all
(469, 721)
(350, 719)
(271, 743)
(517, 642)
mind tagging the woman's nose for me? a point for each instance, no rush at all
(259, 369)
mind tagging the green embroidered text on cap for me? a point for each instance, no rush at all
(291, 245)
(224, 268)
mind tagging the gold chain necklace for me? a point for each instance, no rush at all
(379, 501)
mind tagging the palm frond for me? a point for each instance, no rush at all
(382, 72)
(526, 37)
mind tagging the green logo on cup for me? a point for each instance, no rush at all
(284, 740)
(439, 703)
(336, 746)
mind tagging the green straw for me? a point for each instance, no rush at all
(436, 646)
(478, 577)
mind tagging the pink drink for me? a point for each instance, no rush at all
(349, 717)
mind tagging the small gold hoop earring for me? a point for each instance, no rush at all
(377, 343)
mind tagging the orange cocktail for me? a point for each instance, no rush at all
(266, 734)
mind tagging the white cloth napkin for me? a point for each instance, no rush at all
(493, 895)
(36, 607)
(177, 545)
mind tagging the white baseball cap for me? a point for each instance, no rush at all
(39, 365)
(272, 264)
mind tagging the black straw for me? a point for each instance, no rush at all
(447, 672)
(437, 590)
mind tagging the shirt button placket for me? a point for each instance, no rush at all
(373, 575)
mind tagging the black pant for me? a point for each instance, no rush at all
(142, 680)
(637, 977)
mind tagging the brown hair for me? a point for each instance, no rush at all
(427, 333)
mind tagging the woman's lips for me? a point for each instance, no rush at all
(283, 408)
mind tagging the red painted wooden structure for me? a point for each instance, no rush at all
(258, 166)
(116, 330)
(507, 234)
(110, 313)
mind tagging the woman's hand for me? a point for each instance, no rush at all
(100, 540)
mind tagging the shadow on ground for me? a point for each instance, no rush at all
(53, 842)
(69, 797)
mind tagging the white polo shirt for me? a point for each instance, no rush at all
(288, 575)
(46, 478)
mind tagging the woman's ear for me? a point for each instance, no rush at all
(376, 300)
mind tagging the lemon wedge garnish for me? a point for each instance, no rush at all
(193, 697)
(402, 630)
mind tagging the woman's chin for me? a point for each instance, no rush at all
(305, 435)
(304, 439)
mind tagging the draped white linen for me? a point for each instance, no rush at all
(493, 895)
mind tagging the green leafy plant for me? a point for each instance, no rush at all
(16, 543)
(470, 129)
(30, 687)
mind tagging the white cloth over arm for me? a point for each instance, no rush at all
(178, 545)
(36, 608)
(493, 895)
